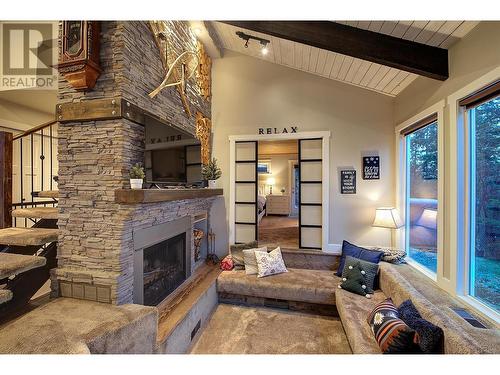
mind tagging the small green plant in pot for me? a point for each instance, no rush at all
(211, 172)
(136, 176)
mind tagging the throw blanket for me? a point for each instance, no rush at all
(227, 263)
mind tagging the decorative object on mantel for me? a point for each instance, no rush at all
(211, 172)
(198, 236)
(79, 58)
(371, 167)
(203, 72)
(178, 69)
(348, 181)
(203, 131)
(211, 256)
(388, 217)
(136, 176)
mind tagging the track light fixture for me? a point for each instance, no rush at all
(247, 37)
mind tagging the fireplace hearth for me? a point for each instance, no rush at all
(164, 267)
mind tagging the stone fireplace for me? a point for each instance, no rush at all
(99, 237)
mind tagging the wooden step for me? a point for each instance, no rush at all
(27, 236)
(48, 194)
(5, 295)
(37, 212)
(14, 264)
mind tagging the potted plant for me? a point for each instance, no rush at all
(211, 172)
(136, 176)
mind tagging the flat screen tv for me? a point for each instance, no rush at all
(172, 157)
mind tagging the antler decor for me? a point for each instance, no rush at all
(178, 68)
(203, 72)
(203, 130)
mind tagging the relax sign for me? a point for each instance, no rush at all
(285, 130)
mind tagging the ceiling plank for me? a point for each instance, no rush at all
(383, 49)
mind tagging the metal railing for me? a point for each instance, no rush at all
(35, 158)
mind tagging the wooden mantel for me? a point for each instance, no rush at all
(128, 196)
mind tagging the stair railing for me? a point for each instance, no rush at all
(34, 166)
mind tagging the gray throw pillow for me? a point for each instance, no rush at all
(394, 256)
(370, 271)
(237, 253)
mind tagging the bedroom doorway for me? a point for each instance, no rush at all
(312, 186)
(278, 221)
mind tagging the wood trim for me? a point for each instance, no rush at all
(419, 124)
(5, 179)
(413, 57)
(35, 129)
(481, 96)
(126, 196)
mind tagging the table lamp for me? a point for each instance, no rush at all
(388, 217)
(428, 219)
(271, 181)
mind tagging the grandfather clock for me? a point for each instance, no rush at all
(79, 58)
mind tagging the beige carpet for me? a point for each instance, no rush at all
(279, 231)
(256, 330)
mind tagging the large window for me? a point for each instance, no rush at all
(422, 193)
(483, 118)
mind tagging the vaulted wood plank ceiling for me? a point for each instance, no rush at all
(369, 75)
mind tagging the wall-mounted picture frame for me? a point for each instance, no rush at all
(371, 167)
(348, 181)
(264, 167)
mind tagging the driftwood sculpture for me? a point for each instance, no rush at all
(178, 68)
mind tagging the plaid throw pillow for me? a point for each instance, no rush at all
(392, 334)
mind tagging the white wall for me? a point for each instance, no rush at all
(279, 170)
(250, 93)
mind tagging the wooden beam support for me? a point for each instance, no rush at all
(5, 179)
(367, 45)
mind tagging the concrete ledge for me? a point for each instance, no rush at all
(71, 326)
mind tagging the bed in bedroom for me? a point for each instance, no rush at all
(261, 206)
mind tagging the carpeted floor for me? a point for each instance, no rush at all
(279, 231)
(257, 330)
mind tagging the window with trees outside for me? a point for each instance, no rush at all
(422, 193)
(483, 120)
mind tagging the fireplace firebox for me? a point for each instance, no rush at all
(162, 260)
(164, 268)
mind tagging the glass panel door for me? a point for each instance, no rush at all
(421, 196)
(484, 261)
(310, 193)
(246, 188)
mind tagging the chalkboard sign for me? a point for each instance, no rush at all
(371, 168)
(348, 181)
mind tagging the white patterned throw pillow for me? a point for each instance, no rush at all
(250, 261)
(270, 263)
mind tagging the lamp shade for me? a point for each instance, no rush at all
(428, 219)
(271, 181)
(387, 217)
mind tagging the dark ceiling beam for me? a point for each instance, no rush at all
(367, 45)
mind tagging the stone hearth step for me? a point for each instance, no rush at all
(14, 264)
(5, 295)
(27, 236)
(37, 212)
(48, 194)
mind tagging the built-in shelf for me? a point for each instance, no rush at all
(128, 196)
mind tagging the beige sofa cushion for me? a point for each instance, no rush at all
(457, 335)
(353, 311)
(313, 286)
